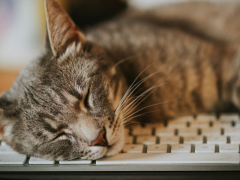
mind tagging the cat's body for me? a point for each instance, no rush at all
(74, 100)
(195, 59)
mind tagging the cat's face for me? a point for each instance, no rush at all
(64, 102)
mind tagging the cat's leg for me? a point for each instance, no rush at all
(229, 74)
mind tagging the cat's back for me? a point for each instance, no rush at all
(182, 44)
(171, 34)
(159, 35)
(204, 20)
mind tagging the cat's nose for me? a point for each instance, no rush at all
(101, 139)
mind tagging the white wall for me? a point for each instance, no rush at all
(143, 4)
(20, 32)
(20, 40)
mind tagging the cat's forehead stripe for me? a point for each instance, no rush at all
(61, 96)
(53, 126)
(46, 116)
(49, 126)
(75, 93)
(62, 126)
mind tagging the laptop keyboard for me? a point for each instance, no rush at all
(184, 140)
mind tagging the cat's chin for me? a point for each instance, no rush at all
(116, 147)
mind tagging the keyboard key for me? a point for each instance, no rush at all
(218, 124)
(228, 148)
(206, 118)
(169, 158)
(188, 132)
(200, 124)
(229, 118)
(2, 143)
(134, 125)
(133, 148)
(154, 125)
(142, 131)
(176, 124)
(232, 132)
(5, 149)
(76, 161)
(169, 140)
(157, 148)
(126, 132)
(193, 140)
(237, 125)
(235, 139)
(183, 119)
(164, 132)
(205, 148)
(128, 139)
(34, 160)
(216, 139)
(181, 148)
(12, 159)
(211, 132)
(146, 140)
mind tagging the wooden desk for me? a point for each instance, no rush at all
(6, 79)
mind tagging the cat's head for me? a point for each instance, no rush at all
(63, 105)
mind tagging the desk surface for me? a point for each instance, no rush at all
(184, 175)
(6, 79)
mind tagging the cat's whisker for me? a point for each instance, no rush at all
(139, 101)
(146, 91)
(140, 115)
(126, 120)
(133, 106)
(140, 83)
(129, 96)
(127, 114)
(124, 60)
(154, 105)
(143, 94)
(129, 123)
(148, 107)
(130, 87)
(116, 124)
(136, 104)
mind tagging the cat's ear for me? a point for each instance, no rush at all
(61, 30)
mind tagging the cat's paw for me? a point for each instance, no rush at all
(95, 152)
(116, 147)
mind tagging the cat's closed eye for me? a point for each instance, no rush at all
(62, 136)
(86, 100)
(84, 103)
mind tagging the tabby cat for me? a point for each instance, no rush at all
(74, 100)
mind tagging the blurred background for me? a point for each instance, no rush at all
(22, 27)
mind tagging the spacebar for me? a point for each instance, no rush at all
(168, 158)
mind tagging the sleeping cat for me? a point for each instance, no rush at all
(74, 100)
